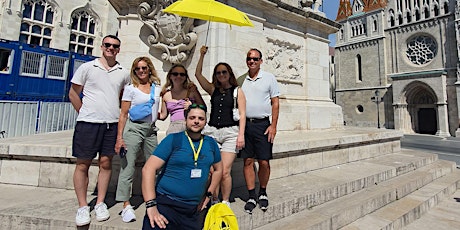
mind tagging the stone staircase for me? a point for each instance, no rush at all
(342, 179)
(387, 192)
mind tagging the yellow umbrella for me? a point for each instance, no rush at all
(209, 10)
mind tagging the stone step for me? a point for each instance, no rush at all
(342, 211)
(295, 193)
(445, 216)
(411, 207)
(56, 208)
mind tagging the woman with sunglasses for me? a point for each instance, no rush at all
(222, 127)
(178, 93)
(136, 136)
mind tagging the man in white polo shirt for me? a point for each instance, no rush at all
(102, 82)
(262, 101)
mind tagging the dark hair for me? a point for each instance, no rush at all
(111, 36)
(188, 84)
(260, 53)
(232, 78)
(195, 106)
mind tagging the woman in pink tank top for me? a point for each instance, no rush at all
(178, 93)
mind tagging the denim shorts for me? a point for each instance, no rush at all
(92, 138)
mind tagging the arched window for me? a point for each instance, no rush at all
(374, 25)
(400, 19)
(417, 15)
(83, 27)
(37, 23)
(427, 12)
(446, 7)
(436, 10)
(409, 17)
(359, 70)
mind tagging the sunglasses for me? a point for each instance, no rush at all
(177, 74)
(144, 68)
(223, 72)
(108, 45)
(194, 106)
(252, 58)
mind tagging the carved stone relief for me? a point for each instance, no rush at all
(170, 33)
(284, 61)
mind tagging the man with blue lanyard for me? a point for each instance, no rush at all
(186, 158)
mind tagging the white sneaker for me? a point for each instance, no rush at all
(128, 214)
(102, 213)
(83, 217)
(226, 202)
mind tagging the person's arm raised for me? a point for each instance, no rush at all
(205, 84)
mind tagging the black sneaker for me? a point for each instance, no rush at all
(263, 202)
(250, 205)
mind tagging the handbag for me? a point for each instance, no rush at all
(236, 112)
(141, 111)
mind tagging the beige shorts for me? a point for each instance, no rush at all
(176, 127)
(225, 137)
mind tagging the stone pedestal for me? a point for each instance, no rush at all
(294, 44)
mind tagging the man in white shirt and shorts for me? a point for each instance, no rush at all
(101, 81)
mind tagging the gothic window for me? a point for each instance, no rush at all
(400, 19)
(436, 10)
(427, 13)
(446, 7)
(417, 15)
(82, 36)
(374, 25)
(341, 34)
(359, 69)
(392, 18)
(37, 23)
(421, 49)
(409, 17)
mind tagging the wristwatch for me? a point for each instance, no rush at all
(150, 203)
(209, 194)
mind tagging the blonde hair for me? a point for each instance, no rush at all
(153, 76)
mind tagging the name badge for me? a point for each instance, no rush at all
(195, 173)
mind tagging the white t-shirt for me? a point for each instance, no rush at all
(101, 91)
(136, 97)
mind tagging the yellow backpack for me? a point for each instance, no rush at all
(220, 217)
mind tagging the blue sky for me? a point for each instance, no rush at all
(330, 8)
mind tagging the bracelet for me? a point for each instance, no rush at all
(150, 203)
(209, 194)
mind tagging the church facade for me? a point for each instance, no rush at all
(397, 66)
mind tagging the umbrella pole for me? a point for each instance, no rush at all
(207, 31)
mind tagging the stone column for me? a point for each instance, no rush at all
(457, 89)
(443, 123)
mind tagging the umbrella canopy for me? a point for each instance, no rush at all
(209, 10)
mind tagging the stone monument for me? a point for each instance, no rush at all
(292, 35)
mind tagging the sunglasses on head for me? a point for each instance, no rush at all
(108, 45)
(144, 68)
(193, 106)
(252, 58)
(223, 72)
(177, 74)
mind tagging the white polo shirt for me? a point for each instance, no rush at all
(258, 92)
(101, 91)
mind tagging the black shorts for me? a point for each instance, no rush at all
(92, 138)
(179, 215)
(256, 144)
